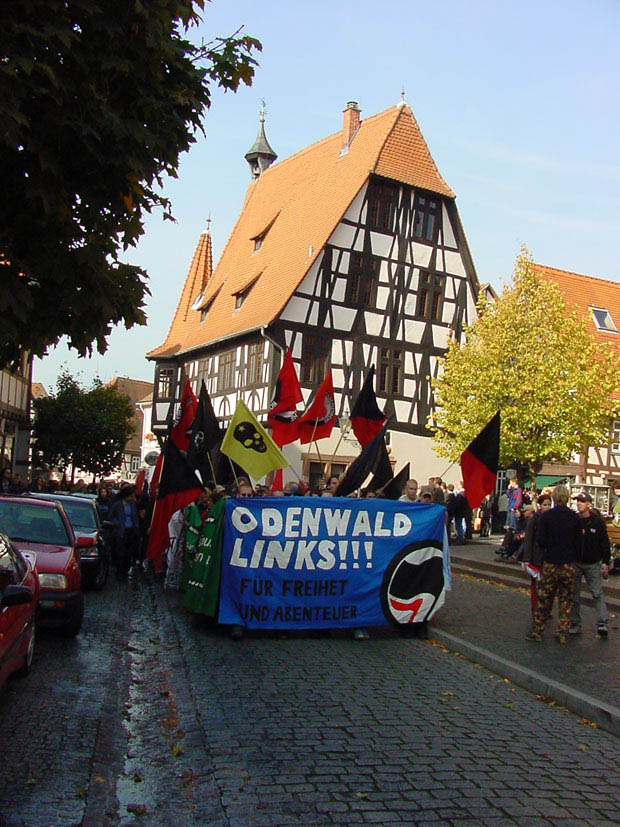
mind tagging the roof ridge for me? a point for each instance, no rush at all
(387, 137)
(573, 273)
(306, 149)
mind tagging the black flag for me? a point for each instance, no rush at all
(383, 472)
(204, 434)
(395, 487)
(479, 463)
(367, 463)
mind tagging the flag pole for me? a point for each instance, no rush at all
(333, 456)
(211, 466)
(447, 469)
(234, 472)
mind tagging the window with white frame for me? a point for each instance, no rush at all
(135, 464)
(615, 436)
(602, 320)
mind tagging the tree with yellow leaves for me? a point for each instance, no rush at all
(530, 356)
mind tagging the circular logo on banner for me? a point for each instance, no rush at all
(413, 587)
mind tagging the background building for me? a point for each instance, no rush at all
(15, 418)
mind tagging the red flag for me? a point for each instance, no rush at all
(178, 486)
(319, 419)
(366, 418)
(140, 481)
(282, 416)
(189, 404)
(479, 463)
(278, 482)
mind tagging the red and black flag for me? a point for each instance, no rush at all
(179, 432)
(178, 487)
(319, 419)
(283, 417)
(395, 487)
(366, 418)
(479, 463)
(204, 434)
(367, 463)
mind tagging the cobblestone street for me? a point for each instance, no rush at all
(153, 717)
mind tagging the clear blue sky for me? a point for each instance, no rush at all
(518, 102)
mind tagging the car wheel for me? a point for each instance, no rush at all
(72, 627)
(25, 668)
(100, 578)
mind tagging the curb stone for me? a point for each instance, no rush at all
(606, 716)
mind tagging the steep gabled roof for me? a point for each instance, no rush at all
(300, 200)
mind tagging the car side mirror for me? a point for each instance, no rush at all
(16, 596)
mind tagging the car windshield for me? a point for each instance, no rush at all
(32, 523)
(81, 515)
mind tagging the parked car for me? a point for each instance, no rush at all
(84, 518)
(19, 595)
(42, 527)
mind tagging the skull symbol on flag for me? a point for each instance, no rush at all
(248, 436)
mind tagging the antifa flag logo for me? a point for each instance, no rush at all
(199, 440)
(330, 410)
(248, 436)
(413, 585)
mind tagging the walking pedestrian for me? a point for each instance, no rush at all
(532, 556)
(592, 560)
(123, 515)
(559, 532)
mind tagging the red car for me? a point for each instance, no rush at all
(19, 594)
(43, 527)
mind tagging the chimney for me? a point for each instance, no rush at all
(351, 122)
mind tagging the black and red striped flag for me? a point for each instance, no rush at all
(479, 462)
(366, 418)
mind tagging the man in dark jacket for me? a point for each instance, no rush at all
(593, 557)
(559, 531)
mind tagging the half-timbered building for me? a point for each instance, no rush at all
(598, 302)
(350, 252)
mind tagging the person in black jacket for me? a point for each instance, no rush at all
(593, 557)
(559, 534)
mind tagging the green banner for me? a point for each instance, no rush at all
(203, 582)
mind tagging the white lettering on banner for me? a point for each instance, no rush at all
(236, 558)
(362, 525)
(337, 522)
(310, 522)
(295, 522)
(292, 522)
(242, 525)
(304, 559)
(328, 559)
(275, 553)
(272, 522)
(402, 525)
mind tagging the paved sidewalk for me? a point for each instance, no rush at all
(487, 615)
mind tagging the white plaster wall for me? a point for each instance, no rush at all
(454, 263)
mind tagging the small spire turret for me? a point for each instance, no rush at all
(260, 155)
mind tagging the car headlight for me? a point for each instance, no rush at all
(53, 581)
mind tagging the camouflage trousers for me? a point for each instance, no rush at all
(555, 578)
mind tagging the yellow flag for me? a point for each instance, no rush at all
(250, 446)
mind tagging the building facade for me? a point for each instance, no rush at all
(351, 253)
(15, 428)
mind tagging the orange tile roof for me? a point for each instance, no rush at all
(300, 200)
(584, 292)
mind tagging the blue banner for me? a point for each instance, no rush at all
(333, 562)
